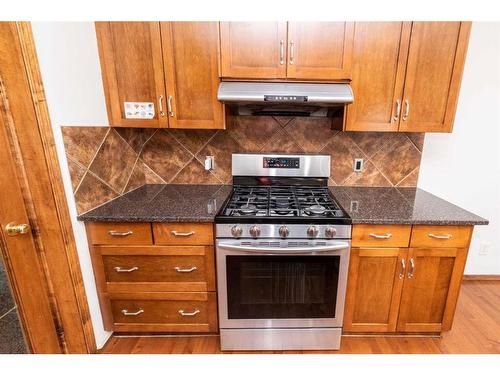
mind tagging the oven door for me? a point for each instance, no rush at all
(282, 283)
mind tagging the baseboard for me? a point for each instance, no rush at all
(482, 277)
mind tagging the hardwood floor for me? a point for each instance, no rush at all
(476, 329)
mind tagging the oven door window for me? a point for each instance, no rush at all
(281, 287)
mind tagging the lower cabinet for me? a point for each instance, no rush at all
(411, 289)
(155, 277)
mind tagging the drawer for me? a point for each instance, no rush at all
(158, 268)
(381, 235)
(440, 236)
(119, 233)
(183, 233)
(164, 312)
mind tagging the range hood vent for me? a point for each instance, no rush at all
(284, 98)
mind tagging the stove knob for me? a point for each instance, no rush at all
(283, 231)
(236, 231)
(312, 231)
(254, 231)
(330, 232)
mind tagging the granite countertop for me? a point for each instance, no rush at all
(200, 203)
(370, 205)
(165, 203)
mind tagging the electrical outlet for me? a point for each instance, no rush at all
(358, 165)
(484, 248)
(209, 163)
(354, 206)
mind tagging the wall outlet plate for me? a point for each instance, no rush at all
(484, 248)
(209, 163)
(358, 165)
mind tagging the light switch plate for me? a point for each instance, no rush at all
(358, 165)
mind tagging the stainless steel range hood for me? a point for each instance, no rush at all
(284, 98)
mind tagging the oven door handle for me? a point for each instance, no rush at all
(289, 250)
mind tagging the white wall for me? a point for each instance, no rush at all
(69, 63)
(464, 166)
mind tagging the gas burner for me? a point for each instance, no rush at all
(248, 209)
(315, 209)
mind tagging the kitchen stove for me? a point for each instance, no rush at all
(282, 248)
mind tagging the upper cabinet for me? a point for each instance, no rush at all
(406, 76)
(161, 74)
(279, 50)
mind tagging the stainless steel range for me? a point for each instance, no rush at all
(282, 253)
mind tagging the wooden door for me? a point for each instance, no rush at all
(41, 260)
(132, 71)
(433, 75)
(320, 50)
(191, 60)
(253, 49)
(379, 65)
(374, 289)
(431, 288)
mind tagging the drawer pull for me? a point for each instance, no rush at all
(127, 313)
(403, 268)
(182, 234)
(181, 270)
(193, 313)
(381, 236)
(115, 233)
(412, 269)
(440, 236)
(119, 269)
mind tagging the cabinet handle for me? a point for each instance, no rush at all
(182, 270)
(403, 269)
(183, 234)
(398, 110)
(407, 110)
(412, 269)
(381, 236)
(440, 236)
(115, 233)
(193, 313)
(160, 105)
(292, 46)
(282, 52)
(119, 269)
(138, 312)
(169, 106)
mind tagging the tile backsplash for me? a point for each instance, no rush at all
(107, 162)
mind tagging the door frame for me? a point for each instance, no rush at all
(59, 321)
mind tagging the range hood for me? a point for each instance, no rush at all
(284, 98)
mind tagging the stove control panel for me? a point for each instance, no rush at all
(270, 162)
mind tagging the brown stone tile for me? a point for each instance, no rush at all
(195, 173)
(252, 132)
(135, 137)
(398, 158)
(152, 177)
(410, 180)
(370, 142)
(192, 140)
(164, 155)
(331, 182)
(284, 120)
(222, 146)
(343, 151)
(282, 142)
(417, 139)
(310, 133)
(114, 161)
(81, 142)
(137, 178)
(76, 171)
(92, 193)
(369, 176)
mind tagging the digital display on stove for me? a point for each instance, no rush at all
(281, 163)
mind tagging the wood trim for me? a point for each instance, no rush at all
(44, 198)
(481, 278)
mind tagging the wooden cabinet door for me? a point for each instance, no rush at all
(320, 50)
(379, 65)
(132, 69)
(431, 288)
(433, 75)
(374, 289)
(253, 49)
(191, 59)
